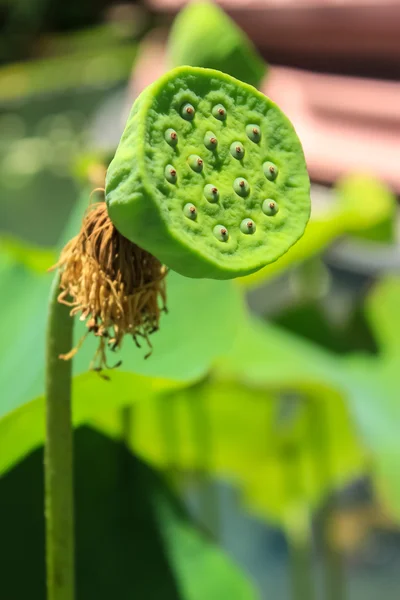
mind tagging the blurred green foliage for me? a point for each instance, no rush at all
(145, 545)
(203, 35)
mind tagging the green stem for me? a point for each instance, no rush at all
(332, 560)
(201, 428)
(301, 568)
(58, 454)
(298, 526)
(334, 575)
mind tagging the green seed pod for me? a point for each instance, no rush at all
(241, 187)
(210, 140)
(171, 137)
(211, 192)
(270, 207)
(149, 182)
(247, 226)
(270, 170)
(190, 211)
(203, 35)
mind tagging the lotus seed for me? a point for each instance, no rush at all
(170, 174)
(241, 187)
(190, 211)
(270, 170)
(221, 233)
(247, 226)
(187, 112)
(219, 112)
(237, 150)
(270, 207)
(253, 133)
(195, 163)
(211, 193)
(171, 137)
(210, 140)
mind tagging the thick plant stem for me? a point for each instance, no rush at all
(334, 575)
(297, 525)
(58, 454)
(300, 562)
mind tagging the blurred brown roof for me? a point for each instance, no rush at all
(338, 35)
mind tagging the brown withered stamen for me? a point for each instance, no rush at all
(115, 286)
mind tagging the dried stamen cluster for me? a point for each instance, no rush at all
(115, 286)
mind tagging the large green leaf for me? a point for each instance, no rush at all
(133, 539)
(58, 74)
(22, 320)
(376, 401)
(184, 348)
(221, 426)
(203, 316)
(252, 436)
(23, 429)
(203, 35)
(382, 310)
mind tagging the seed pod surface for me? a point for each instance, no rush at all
(150, 181)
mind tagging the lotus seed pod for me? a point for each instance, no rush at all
(150, 185)
(203, 35)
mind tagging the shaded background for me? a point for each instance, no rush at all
(69, 72)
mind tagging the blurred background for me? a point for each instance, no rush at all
(293, 468)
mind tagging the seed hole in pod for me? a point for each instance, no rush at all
(188, 112)
(171, 137)
(211, 192)
(221, 233)
(241, 187)
(195, 163)
(170, 174)
(247, 226)
(210, 140)
(270, 170)
(253, 132)
(219, 112)
(237, 150)
(190, 211)
(270, 207)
